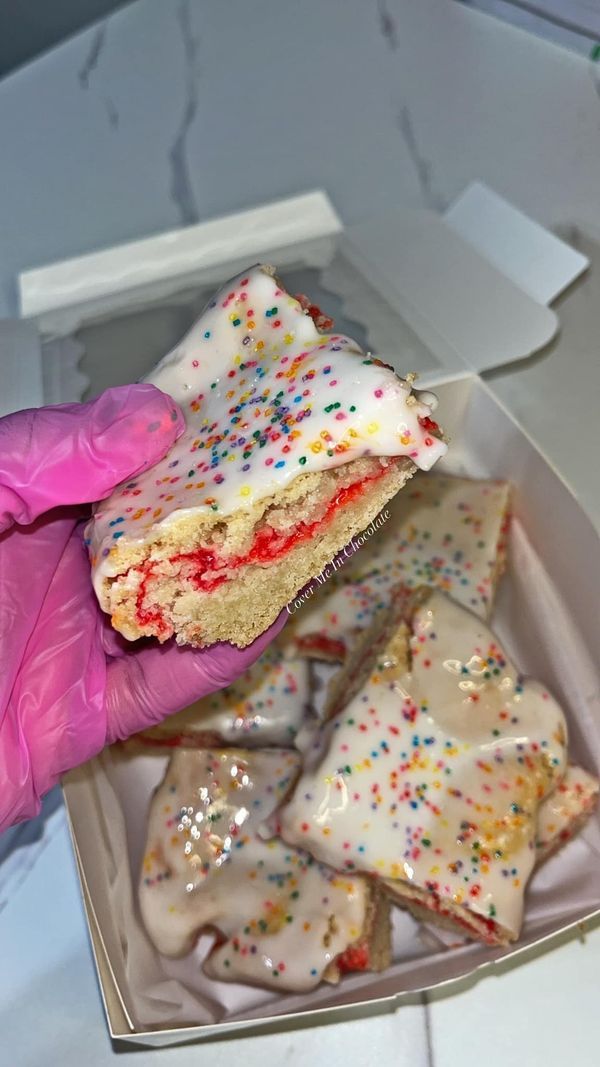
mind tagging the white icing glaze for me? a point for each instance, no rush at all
(441, 531)
(265, 706)
(284, 917)
(433, 776)
(561, 813)
(266, 397)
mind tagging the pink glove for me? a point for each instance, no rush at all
(68, 684)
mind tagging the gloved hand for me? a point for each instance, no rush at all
(68, 684)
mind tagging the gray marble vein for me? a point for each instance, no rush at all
(423, 167)
(90, 65)
(595, 76)
(112, 113)
(387, 25)
(181, 189)
(92, 59)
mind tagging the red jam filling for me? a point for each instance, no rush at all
(161, 742)
(428, 424)
(199, 567)
(355, 958)
(151, 617)
(321, 320)
(199, 740)
(433, 903)
(328, 647)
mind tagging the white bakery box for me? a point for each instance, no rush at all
(448, 297)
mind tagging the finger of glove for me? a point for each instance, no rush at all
(29, 556)
(151, 683)
(78, 453)
(56, 715)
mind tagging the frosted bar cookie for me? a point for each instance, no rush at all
(282, 920)
(561, 815)
(441, 531)
(265, 706)
(432, 771)
(294, 441)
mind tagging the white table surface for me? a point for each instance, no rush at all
(146, 122)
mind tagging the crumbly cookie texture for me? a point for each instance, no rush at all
(282, 920)
(431, 772)
(294, 441)
(265, 706)
(442, 531)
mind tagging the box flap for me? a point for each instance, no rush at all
(462, 307)
(536, 260)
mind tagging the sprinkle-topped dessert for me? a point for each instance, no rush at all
(294, 441)
(431, 773)
(265, 706)
(442, 531)
(282, 919)
(565, 811)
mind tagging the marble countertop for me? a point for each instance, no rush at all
(166, 114)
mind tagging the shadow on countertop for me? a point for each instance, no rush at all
(17, 854)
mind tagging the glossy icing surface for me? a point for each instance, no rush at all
(560, 814)
(447, 532)
(442, 531)
(266, 397)
(433, 775)
(282, 917)
(265, 706)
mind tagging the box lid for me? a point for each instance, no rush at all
(442, 296)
